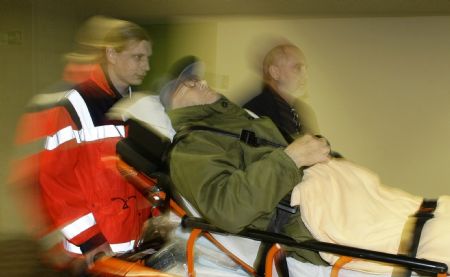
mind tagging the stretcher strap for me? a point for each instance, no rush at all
(424, 213)
(246, 136)
(279, 219)
(411, 238)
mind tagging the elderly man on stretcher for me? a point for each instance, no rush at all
(235, 169)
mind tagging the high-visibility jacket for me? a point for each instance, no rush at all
(85, 195)
(32, 130)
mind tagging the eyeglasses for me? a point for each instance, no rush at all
(191, 82)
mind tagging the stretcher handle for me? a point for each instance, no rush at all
(413, 263)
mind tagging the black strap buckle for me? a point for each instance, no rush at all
(288, 208)
(427, 209)
(285, 205)
(248, 137)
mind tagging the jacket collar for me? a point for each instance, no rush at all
(193, 115)
(101, 79)
(274, 96)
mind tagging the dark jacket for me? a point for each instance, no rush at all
(269, 103)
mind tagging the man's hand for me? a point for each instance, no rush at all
(308, 150)
(98, 253)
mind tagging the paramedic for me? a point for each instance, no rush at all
(232, 184)
(284, 74)
(86, 197)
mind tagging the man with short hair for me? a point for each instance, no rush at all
(284, 73)
(87, 199)
(234, 184)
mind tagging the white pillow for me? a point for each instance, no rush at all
(145, 108)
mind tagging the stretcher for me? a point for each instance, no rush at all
(140, 161)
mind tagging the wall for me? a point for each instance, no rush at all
(379, 87)
(15, 85)
(196, 38)
(30, 62)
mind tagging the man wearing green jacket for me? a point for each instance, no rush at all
(235, 185)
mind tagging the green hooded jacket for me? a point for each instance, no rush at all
(232, 184)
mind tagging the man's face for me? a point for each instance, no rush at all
(130, 66)
(292, 71)
(193, 92)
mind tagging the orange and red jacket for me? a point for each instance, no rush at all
(83, 192)
(32, 130)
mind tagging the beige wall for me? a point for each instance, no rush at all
(27, 67)
(15, 86)
(379, 86)
(196, 38)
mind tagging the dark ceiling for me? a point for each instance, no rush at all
(160, 9)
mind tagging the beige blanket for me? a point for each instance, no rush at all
(346, 204)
